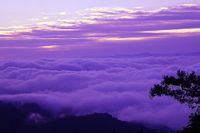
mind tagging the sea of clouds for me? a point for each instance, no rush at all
(119, 86)
(105, 63)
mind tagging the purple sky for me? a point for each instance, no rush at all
(106, 60)
(20, 12)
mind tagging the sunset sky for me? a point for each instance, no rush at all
(98, 55)
(20, 12)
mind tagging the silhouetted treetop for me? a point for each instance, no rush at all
(193, 125)
(184, 87)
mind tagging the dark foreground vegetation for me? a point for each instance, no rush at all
(30, 118)
(185, 88)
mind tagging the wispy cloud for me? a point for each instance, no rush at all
(111, 26)
(138, 47)
(119, 86)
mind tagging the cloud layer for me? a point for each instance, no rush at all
(119, 86)
(173, 29)
(106, 62)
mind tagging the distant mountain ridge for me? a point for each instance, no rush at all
(30, 118)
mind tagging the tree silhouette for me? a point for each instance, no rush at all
(184, 87)
(194, 124)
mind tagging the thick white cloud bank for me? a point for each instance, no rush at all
(119, 86)
(106, 62)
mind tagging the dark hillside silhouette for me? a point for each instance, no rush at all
(30, 118)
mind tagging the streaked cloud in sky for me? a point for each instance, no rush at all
(28, 11)
(106, 28)
(99, 56)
